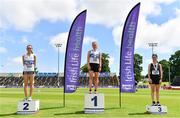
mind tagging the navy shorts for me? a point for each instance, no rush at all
(94, 67)
(155, 80)
(28, 72)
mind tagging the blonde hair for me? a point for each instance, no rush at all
(94, 42)
(28, 46)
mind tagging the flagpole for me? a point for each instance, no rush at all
(119, 92)
(64, 102)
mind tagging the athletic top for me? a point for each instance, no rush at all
(29, 61)
(94, 56)
(155, 71)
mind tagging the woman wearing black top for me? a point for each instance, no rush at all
(155, 74)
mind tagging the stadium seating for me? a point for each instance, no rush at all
(51, 80)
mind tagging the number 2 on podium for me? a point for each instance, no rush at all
(26, 106)
(95, 100)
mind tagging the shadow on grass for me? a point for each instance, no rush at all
(112, 108)
(144, 113)
(71, 113)
(9, 114)
(47, 108)
(82, 112)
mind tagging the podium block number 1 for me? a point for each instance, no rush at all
(26, 105)
(95, 100)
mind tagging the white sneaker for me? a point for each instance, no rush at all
(29, 99)
(25, 99)
(95, 92)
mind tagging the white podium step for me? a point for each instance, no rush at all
(156, 109)
(94, 103)
(28, 107)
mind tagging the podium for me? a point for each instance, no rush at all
(28, 107)
(94, 103)
(156, 109)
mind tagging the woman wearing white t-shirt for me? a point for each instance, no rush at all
(94, 66)
(29, 64)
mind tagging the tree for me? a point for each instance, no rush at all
(175, 64)
(105, 64)
(165, 66)
(84, 68)
(137, 67)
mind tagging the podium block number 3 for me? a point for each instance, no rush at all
(26, 105)
(95, 100)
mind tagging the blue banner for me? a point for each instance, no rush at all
(73, 53)
(127, 83)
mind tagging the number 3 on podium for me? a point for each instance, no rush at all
(26, 105)
(159, 109)
(95, 100)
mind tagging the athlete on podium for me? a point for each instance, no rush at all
(155, 75)
(29, 63)
(94, 66)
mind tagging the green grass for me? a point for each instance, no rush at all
(133, 105)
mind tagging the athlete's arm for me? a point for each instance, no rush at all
(161, 71)
(23, 60)
(88, 59)
(35, 61)
(149, 78)
(100, 61)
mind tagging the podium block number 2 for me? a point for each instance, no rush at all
(26, 105)
(95, 100)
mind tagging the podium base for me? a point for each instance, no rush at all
(93, 103)
(28, 107)
(26, 112)
(156, 109)
(93, 110)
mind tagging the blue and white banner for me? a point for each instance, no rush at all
(127, 83)
(73, 53)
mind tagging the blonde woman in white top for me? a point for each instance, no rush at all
(94, 66)
(29, 64)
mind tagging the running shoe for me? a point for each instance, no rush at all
(25, 99)
(158, 104)
(29, 99)
(95, 92)
(90, 91)
(153, 103)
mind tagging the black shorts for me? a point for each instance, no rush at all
(28, 72)
(155, 80)
(94, 67)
